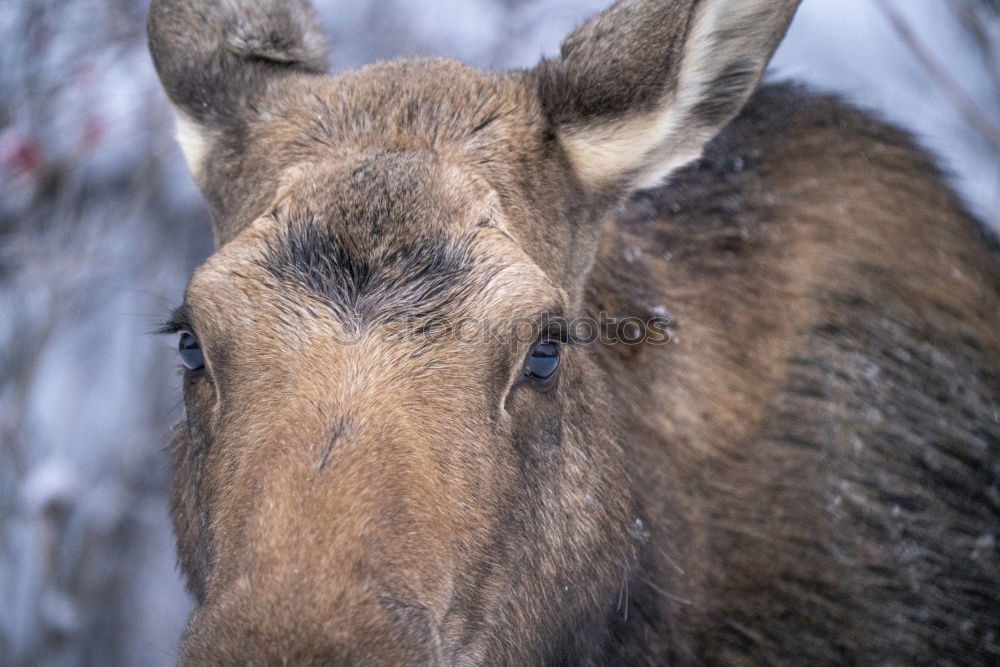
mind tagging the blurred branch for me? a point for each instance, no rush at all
(973, 23)
(975, 116)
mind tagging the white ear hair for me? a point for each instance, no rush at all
(723, 58)
(193, 141)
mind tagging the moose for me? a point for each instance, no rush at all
(802, 467)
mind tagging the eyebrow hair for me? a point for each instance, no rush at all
(178, 321)
(373, 278)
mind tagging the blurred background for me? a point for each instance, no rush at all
(101, 226)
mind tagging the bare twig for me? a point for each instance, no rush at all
(982, 123)
(973, 23)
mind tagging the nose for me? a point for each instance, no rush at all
(358, 627)
(338, 558)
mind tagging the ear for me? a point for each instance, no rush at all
(215, 57)
(639, 90)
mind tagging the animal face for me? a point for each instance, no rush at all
(391, 451)
(357, 443)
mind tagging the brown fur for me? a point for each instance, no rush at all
(809, 474)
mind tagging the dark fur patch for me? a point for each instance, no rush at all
(338, 432)
(418, 279)
(376, 251)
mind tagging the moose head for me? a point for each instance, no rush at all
(354, 482)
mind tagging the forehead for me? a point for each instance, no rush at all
(385, 236)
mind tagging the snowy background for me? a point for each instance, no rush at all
(100, 227)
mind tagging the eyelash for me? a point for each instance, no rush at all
(176, 322)
(558, 334)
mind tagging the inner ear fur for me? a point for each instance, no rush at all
(214, 57)
(638, 90)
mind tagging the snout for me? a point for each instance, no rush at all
(333, 557)
(363, 626)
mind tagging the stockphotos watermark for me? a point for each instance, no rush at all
(604, 329)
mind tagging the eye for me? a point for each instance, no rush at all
(541, 368)
(191, 355)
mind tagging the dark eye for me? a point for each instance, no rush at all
(191, 354)
(542, 365)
